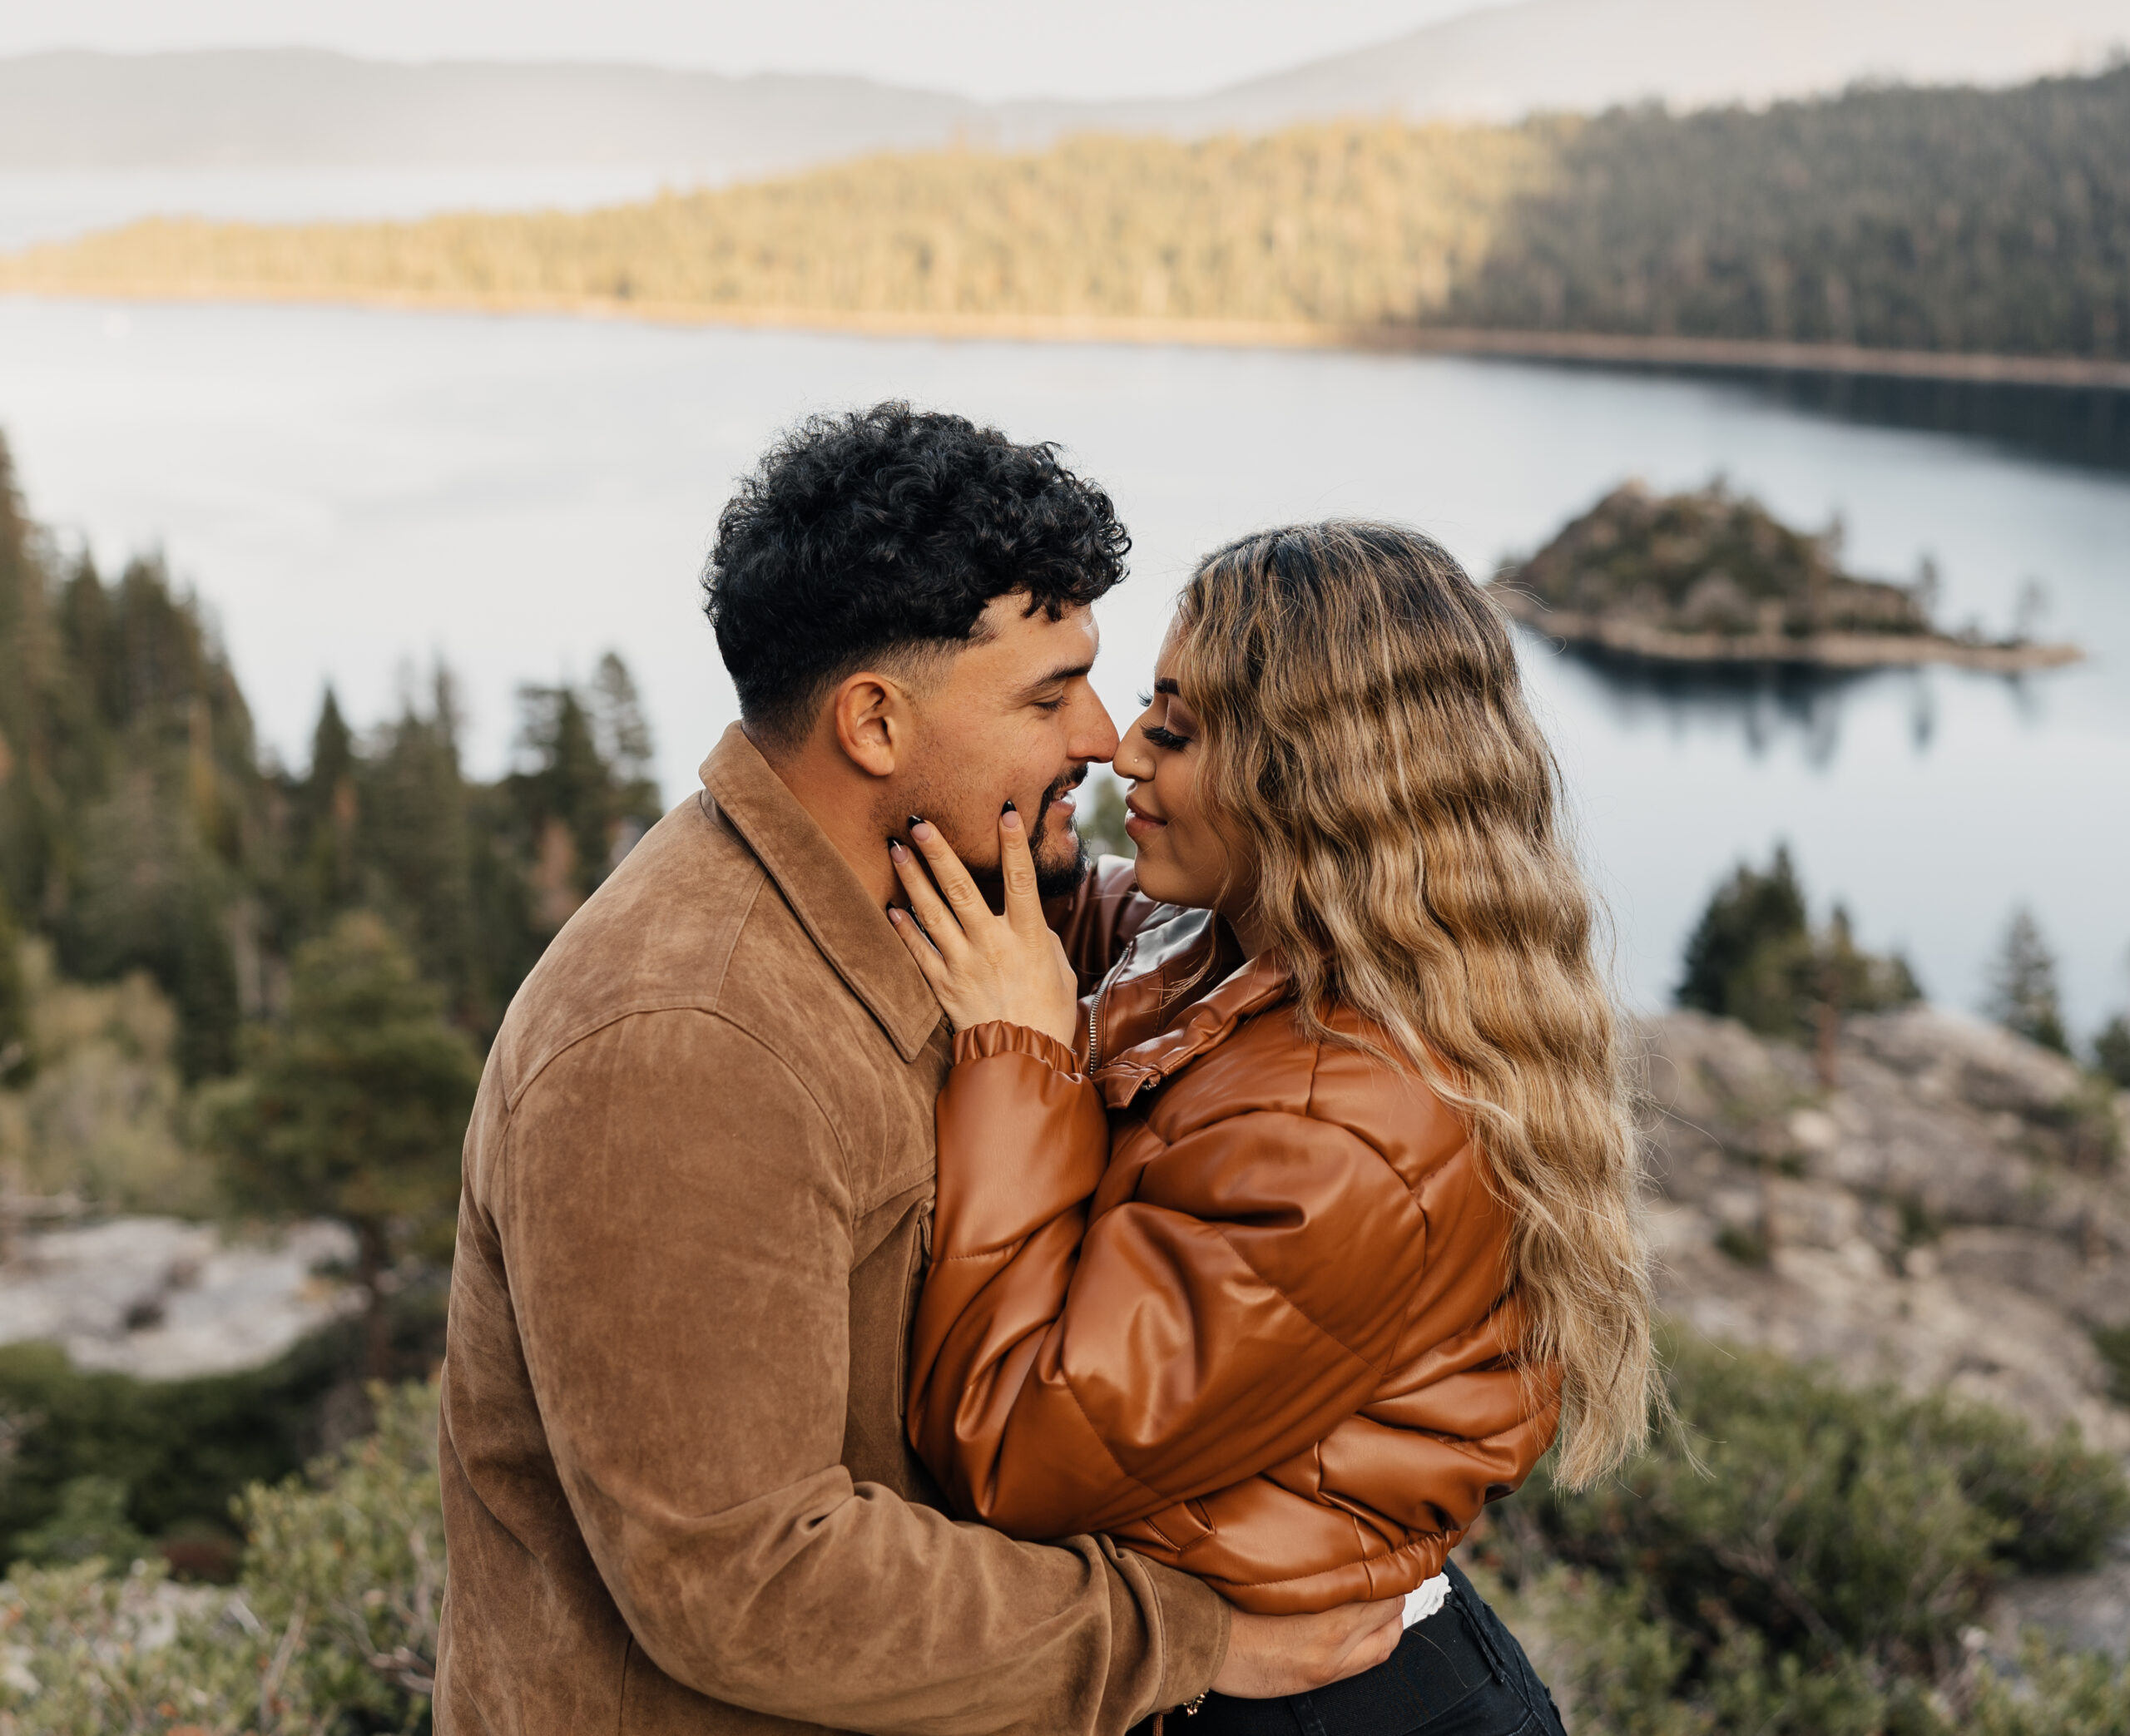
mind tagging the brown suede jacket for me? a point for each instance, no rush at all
(676, 1489)
(1232, 1296)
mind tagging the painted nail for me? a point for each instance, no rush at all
(896, 851)
(894, 915)
(1008, 808)
(915, 821)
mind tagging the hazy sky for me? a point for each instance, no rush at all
(988, 48)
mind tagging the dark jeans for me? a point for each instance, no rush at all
(1459, 1673)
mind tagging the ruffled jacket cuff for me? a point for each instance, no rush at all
(980, 1043)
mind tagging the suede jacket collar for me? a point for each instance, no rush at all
(823, 893)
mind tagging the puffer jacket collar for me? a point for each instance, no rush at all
(1145, 1024)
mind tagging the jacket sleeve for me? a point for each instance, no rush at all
(1096, 921)
(695, 1403)
(1066, 1377)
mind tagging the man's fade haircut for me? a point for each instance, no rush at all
(889, 529)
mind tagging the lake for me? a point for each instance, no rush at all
(355, 493)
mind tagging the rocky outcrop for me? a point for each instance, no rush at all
(163, 1299)
(1948, 1215)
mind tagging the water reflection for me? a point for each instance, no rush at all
(2089, 427)
(1767, 706)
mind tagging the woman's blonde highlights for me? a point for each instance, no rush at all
(1365, 734)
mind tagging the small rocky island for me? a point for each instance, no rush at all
(1713, 577)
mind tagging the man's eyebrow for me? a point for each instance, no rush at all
(1057, 677)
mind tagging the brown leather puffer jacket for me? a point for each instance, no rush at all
(1233, 1297)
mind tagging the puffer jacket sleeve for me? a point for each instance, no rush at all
(1243, 1303)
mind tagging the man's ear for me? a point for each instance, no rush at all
(869, 715)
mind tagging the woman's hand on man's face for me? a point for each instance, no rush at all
(984, 967)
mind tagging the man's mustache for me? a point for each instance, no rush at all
(1071, 781)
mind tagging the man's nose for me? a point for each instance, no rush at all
(1094, 733)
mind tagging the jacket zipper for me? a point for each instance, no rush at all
(1101, 994)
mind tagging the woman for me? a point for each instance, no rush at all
(1293, 1244)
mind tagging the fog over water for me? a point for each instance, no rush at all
(355, 492)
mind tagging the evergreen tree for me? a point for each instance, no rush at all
(2023, 993)
(587, 794)
(357, 1109)
(417, 851)
(2112, 1051)
(16, 1060)
(1752, 920)
(326, 810)
(1755, 958)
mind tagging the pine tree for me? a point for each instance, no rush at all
(2112, 1051)
(1752, 918)
(16, 1060)
(357, 1109)
(2023, 993)
(417, 850)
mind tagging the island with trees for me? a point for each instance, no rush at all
(1710, 577)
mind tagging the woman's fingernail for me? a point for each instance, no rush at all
(896, 851)
(1008, 808)
(920, 829)
(894, 915)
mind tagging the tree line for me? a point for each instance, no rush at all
(1928, 219)
(337, 944)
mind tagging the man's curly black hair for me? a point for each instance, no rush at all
(863, 534)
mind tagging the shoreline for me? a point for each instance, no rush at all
(1846, 651)
(1590, 349)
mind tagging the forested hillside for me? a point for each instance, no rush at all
(1917, 220)
(1946, 219)
(140, 831)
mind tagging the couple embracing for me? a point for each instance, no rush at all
(909, 1281)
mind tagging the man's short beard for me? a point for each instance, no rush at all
(1064, 878)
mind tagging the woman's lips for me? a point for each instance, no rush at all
(1139, 827)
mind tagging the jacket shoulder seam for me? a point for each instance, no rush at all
(693, 1005)
(694, 1000)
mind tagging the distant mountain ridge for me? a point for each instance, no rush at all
(293, 106)
(308, 107)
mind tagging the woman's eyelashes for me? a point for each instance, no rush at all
(1161, 735)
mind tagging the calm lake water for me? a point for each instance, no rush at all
(356, 493)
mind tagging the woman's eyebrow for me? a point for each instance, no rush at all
(1167, 684)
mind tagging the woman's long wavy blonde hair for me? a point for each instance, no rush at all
(1364, 731)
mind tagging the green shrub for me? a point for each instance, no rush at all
(2060, 1502)
(333, 1629)
(89, 1523)
(2055, 1694)
(1849, 1530)
(352, 1555)
(178, 1451)
(88, 1654)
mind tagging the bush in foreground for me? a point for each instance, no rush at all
(1817, 1579)
(332, 1629)
(1820, 1569)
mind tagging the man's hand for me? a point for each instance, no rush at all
(1272, 1655)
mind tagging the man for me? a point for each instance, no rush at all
(699, 1175)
